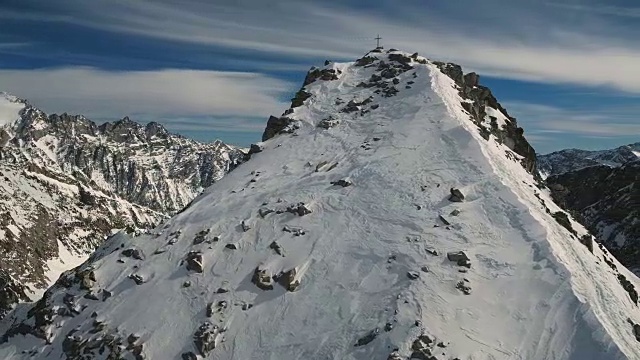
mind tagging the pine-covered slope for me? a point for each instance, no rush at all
(333, 242)
(66, 182)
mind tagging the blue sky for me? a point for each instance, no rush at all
(567, 70)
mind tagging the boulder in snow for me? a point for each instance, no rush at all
(456, 195)
(342, 182)
(194, 261)
(262, 279)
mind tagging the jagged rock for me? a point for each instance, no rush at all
(455, 212)
(194, 261)
(264, 212)
(133, 253)
(299, 98)
(444, 221)
(422, 348)
(394, 356)
(563, 219)
(299, 209)
(186, 284)
(456, 195)
(587, 240)
(472, 79)
(87, 279)
(189, 356)
(106, 294)
(460, 258)
(322, 74)
(424, 269)
(462, 286)
(277, 248)
(91, 296)
(137, 278)
(629, 288)
(256, 148)
(433, 252)
(328, 123)
(412, 275)
(222, 290)
(205, 338)
(388, 327)
(342, 182)
(200, 237)
(288, 280)
(262, 279)
(279, 125)
(296, 231)
(368, 338)
(231, 246)
(245, 225)
(367, 60)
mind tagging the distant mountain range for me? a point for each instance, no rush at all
(567, 160)
(66, 182)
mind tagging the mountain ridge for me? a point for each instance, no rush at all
(383, 216)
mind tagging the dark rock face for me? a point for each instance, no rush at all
(262, 279)
(322, 74)
(368, 338)
(205, 338)
(607, 201)
(278, 125)
(194, 261)
(456, 195)
(481, 98)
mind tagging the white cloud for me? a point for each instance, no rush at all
(158, 93)
(547, 120)
(525, 40)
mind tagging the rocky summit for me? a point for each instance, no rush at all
(392, 212)
(66, 182)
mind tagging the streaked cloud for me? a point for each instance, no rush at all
(606, 122)
(158, 93)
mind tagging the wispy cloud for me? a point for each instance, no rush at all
(620, 11)
(525, 40)
(160, 93)
(608, 122)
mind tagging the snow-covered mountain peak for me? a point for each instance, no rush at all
(381, 217)
(563, 161)
(10, 107)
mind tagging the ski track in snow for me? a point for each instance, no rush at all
(537, 293)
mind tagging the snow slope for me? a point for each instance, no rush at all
(365, 260)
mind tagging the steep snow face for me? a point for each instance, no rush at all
(350, 211)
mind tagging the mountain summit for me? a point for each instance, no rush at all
(391, 213)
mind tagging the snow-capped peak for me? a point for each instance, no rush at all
(384, 216)
(10, 107)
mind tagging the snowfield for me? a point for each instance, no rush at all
(373, 253)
